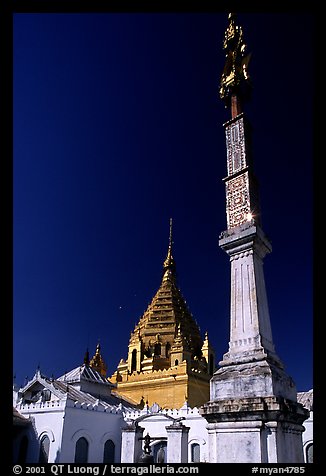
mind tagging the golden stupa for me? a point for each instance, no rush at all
(168, 362)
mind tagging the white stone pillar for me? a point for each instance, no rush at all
(250, 328)
(177, 445)
(131, 445)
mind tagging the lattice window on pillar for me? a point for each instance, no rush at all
(235, 146)
(237, 200)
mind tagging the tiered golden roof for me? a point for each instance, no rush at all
(166, 340)
(97, 362)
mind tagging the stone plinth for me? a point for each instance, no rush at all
(255, 430)
(246, 380)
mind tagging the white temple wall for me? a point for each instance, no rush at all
(94, 425)
(48, 421)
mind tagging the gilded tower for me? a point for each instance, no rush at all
(168, 362)
(97, 362)
(253, 415)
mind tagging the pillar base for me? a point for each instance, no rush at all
(250, 379)
(255, 430)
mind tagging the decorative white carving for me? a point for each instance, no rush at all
(235, 146)
(237, 200)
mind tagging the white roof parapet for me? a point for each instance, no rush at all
(174, 413)
(306, 399)
(66, 393)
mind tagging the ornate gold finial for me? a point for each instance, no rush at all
(97, 362)
(170, 242)
(235, 77)
(169, 264)
(170, 236)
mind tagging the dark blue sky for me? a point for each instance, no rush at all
(117, 128)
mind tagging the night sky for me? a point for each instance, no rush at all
(118, 127)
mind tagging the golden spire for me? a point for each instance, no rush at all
(97, 362)
(235, 77)
(169, 263)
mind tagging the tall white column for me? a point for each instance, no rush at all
(253, 415)
(250, 328)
